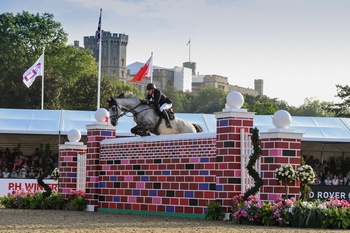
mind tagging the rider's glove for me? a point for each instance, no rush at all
(144, 102)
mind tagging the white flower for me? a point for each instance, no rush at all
(309, 206)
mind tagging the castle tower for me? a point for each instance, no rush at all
(259, 86)
(191, 65)
(113, 52)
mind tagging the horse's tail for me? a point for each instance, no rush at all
(198, 128)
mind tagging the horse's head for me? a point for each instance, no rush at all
(114, 111)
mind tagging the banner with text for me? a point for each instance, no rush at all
(9, 185)
(325, 192)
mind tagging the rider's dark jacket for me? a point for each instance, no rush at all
(158, 98)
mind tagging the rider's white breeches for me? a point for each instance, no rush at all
(165, 106)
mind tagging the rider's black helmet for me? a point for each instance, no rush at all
(151, 86)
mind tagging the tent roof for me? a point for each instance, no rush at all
(55, 122)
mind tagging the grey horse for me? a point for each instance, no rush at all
(145, 117)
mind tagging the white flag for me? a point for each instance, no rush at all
(35, 70)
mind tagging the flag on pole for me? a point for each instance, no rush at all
(145, 71)
(35, 70)
(189, 41)
(99, 29)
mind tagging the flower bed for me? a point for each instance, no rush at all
(22, 199)
(333, 213)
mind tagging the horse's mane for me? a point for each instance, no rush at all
(128, 95)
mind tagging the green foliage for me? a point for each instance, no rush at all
(266, 215)
(209, 100)
(341, 109)
(24, 202)
(264, 108)
(312, 107)
(337, 218)
(8, 201)
(22, 199)
(39, 201)
(214, 211)
(83, 94)
(77, 200)
(180, 99)
(46, 171)
(57, 202)
(258, 182)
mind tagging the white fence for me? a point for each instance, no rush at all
(81, 172)
(247, 150)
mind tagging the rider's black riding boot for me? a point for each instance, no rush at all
(167, 122)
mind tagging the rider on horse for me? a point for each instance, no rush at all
(160, 100)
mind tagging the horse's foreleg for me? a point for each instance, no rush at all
(139, 130)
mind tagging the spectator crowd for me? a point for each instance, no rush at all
(334, 171)
(13, 164)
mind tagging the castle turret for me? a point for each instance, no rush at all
(113, 52)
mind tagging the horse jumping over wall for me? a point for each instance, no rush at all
(146, 118)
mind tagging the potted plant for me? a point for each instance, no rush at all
(336, 217)
(282, 211)
(77, 200)
(266, 214)
(248, 211)
(214, 211)
(285, 174)
(305, 174)
(55, 174)
(57, 202)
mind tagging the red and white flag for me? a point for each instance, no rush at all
(35, 70)
(145, 71)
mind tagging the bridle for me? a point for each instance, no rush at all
(123, 111)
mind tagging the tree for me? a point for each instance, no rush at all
(209, 100)
(341, 109)
(22, 39)
(312, 107)
(83, 95)
(264, 108)
(179, 98)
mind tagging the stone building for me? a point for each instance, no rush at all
(182, 78)
(113, 52)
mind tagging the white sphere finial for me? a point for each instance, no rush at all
(282, 119)
(101, 114)
(74, 135)
(234, 99)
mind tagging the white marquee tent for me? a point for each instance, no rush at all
(323, 136)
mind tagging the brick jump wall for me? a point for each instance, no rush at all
(172, 173)
(279, 148)
(68, 168)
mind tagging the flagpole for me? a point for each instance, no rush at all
(151, 65)
(189, 51)
(99, 63)
(42, 83)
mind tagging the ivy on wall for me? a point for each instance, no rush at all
(258, 182)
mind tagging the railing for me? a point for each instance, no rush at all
(81, 172)
(246, 150)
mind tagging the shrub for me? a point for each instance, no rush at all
(214, 211)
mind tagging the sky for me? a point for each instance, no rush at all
(300, 48)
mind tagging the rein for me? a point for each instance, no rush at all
(126, 111)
